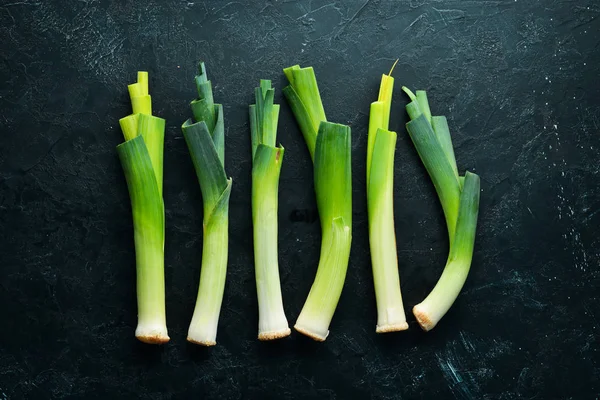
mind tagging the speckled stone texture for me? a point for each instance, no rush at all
(518, 81)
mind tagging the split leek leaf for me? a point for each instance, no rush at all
(141, 102)
(424, 104)
(441, 172)
(459, 197)
(266, 167)
(304, 99)
(142, 160)
(442, 132)
(382, 236)
(333, 187)
(205, 140)
(379, 116)
(439, 124)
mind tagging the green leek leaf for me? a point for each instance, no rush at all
(209, 169)
(305, 101)
(441, 172)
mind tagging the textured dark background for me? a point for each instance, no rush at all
(518, 81)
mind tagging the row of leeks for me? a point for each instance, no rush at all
(329, 146)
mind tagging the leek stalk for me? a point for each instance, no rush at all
(266, 166)
(330, 148)
(141, 157)
(204, 135)
(382, 237)
(459, 197)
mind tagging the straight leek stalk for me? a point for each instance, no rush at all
(459, 197)
(141, 157)
(266, 166)
(204, 135)
(330, 148)
(382, 237)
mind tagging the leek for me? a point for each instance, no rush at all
(382, 237)
(459, 197)
(266, 166)
(204, 135)
(330, 148)
(141, 157)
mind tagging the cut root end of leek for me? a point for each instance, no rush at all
(312, 332)
(141, 157)
(422, 314)
(401, 326)
(266, 336)
(459, 197)
(266, 166)
(152, 333)
(201, 339)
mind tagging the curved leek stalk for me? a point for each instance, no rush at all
(460, 201)
(266, 165)
(329, 147)
(205, 141)
(141, 157)
(333, 187)
(382, 237)
(445, 292)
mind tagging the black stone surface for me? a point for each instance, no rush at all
(518, 81)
